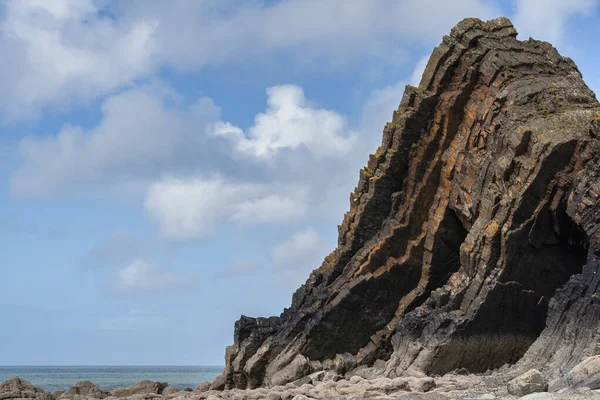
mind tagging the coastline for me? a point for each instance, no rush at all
(500, 384)
(109, 377)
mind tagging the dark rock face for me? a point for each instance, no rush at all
(473, 226)
(573, 327)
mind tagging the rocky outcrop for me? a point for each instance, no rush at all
(472, 236)
(488, 386)
(203, 387)
(142, 387)
(84, 389)
(17, 388)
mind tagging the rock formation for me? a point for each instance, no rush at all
(17, 388)
(142, 387)
(328, 385)
(84, 389)
(472, 237)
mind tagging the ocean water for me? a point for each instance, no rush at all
(106, 377)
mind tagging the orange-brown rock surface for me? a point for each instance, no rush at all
(467, 234)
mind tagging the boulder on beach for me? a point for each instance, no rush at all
(17, 388)
(142, 387)
(531, 381)
(203, 387)
(86, 389)
(586, 373)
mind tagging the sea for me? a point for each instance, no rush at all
(110, 377)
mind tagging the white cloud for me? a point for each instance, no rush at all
(124, 145)
(304, 249)
(361, 29)
(126, 151)
(289, 123)
(272, 208)
(546, 19)
(143, 276)
(192, 207)
(57, 53)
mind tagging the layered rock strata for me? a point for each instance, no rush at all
(472, 234)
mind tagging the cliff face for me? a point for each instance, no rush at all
(473, 226)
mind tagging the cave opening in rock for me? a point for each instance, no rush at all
(539, 257)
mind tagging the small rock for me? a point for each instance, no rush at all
(203, 387)
(379, 365)
(586, 373)
(461, 371)
(332, 376)
(317, 377)
(287, 395)
(273, 396)
(57, 393)
(397, 384)
(531, 381)
(142, 387)
(170, 390)
(421, 384)
(413, 372)
(343, 383)
(302, 381)
(296, 369)
(219, 382)
(300, 397)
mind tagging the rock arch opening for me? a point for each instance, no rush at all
(539, 258)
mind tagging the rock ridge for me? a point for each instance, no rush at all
(472, 235)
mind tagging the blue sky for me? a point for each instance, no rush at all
(169, 166)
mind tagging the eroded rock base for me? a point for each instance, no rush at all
(319, 386)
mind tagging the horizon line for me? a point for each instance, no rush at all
(111, 365)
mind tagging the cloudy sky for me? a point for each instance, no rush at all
(170, 165)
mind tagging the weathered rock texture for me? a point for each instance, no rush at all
(142, 387)
(479, 206)
(17, 388)
(86, 389)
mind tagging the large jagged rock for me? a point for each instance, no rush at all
(480, 203)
